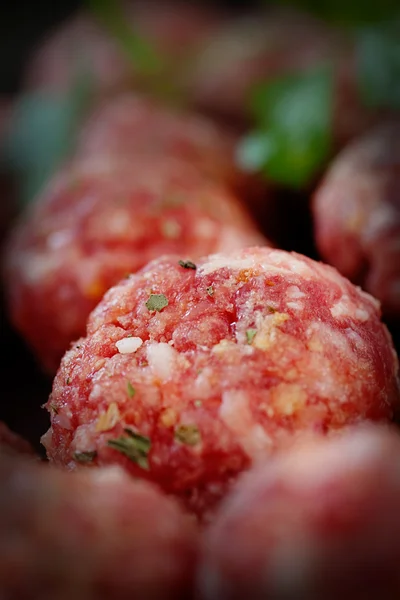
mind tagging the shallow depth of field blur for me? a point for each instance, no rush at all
(289, 121)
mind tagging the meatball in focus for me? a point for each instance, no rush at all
(96, 535)
(319, 522)
(98, 221)
(357, 214)
(192, 372)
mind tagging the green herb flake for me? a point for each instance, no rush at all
(198, 403)
(68, 381)
(271, 309)
(54, 409)
(131, 390)
(85, 457)
(135, 446)
(156, 302)
(210, 291)
(250, 335)
(188, 434)
(187, 264)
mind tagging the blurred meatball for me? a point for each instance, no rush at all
(99, 220)
(173, 28)
(258, 47)
(320, 522)
(190, 373)
(95, 535)
(357, 214)
(129, 125)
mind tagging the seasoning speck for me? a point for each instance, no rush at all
(135, 446)
(250, 335)
(85, 457)
(187, 264)
(156, 302)
(188, 434)
(131, 390)
(210, 291)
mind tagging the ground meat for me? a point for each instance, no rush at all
(12, 443)
(319, 522)
(93, 535)
(188, 375)
(100, 220)
(174, 29)
(129, 125)
(357, 214)
(256, 48)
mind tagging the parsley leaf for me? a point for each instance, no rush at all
(156, 302)
(135, 446)
(131, 390)
(187, 264)
(250, 335)
(85, 457)
(294, 118)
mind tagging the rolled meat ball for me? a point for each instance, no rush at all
(174, 29)
(318, 522)
(129, 125)
(95, 535)
(356, 211)
(258, 47)
(96, 222)
(192, 372)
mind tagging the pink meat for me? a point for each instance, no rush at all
(318, 522)
(96, 222)
(95, 535)
(239, 357)
(357, 214)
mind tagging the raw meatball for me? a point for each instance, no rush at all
(357, 214)
(130, 125)
(174, 29)
(320, 522)
(256, 48)
(189, 376)
(12, 443)
(93, 535)
(100, 220)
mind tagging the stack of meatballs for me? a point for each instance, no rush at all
(222, 409)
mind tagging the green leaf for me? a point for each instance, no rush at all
(378, 65)
(294, 118)
(42, 133)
